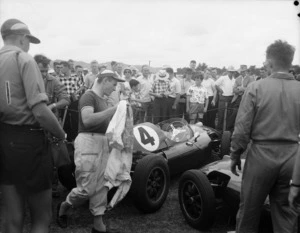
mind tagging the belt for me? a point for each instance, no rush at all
(274, 142)
(21, 128)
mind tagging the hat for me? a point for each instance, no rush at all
(231, 68)
(162, 74)
(243, 68)
(15, 26)
(110, 73)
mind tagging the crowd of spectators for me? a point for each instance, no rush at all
(157, 96)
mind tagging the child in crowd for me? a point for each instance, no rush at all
(135, 100)
(197, 99)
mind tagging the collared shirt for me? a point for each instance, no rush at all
(175, 87)
(209, 84)
(89, 80)
(55, 90)
(186, 84)
(269, 111)
(226, 85)
(21, 86)
(160, 86)
(71, 83)
(146, 86)
(198, 94)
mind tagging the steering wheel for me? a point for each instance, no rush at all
(178, 135)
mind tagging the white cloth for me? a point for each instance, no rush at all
(226, 85)
(209, 84)
(120, 138)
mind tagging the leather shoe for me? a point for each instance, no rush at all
(108, 230)
(62, 220)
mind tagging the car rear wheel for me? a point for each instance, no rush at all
(197, 199)
(150, 183)
(225, 143)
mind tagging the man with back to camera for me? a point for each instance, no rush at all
(91, 152)
(25, 167)
(269, 115)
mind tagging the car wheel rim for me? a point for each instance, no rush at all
(156, 184)
(191, 200)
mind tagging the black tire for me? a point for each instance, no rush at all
(150, 183)
(197, 199)
(66, 176)
(225, 143)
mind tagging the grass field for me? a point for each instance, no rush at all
(128, 219)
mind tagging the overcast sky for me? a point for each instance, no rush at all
(219, 33)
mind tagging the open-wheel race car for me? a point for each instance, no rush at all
(202, 191)
(159, 152)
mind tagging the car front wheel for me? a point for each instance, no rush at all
(150, 183)
(197, 199)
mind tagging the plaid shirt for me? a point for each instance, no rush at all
(71, 83)
(160, 86)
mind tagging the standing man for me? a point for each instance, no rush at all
(268, 115)
(57, 68)
(89, 79)
(186, 82)
(239, 87)
(146, 82)
(193, 65)
(224, 86)
(160, 90)
(25, 172)
(115, 95)
(173, 95)
(209, 84)
(70, 81)
(71, 65)
(91, 152)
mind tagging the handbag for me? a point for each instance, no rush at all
(58, 149)
(59, 152)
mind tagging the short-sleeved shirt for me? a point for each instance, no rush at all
(209, 85)
(175, 87)
(21, 86)
(161, 86)
(226, 85)
(71, 83)
(146, 85)
(198, 94)
(99, 104)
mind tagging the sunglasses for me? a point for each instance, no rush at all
(127, 72)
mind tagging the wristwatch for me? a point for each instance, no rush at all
(294, 185)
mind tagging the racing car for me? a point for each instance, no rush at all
(160, 152)
(203, 190)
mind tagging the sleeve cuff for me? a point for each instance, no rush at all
(41, 97)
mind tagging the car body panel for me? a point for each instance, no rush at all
(223, 166)
(174, 139)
